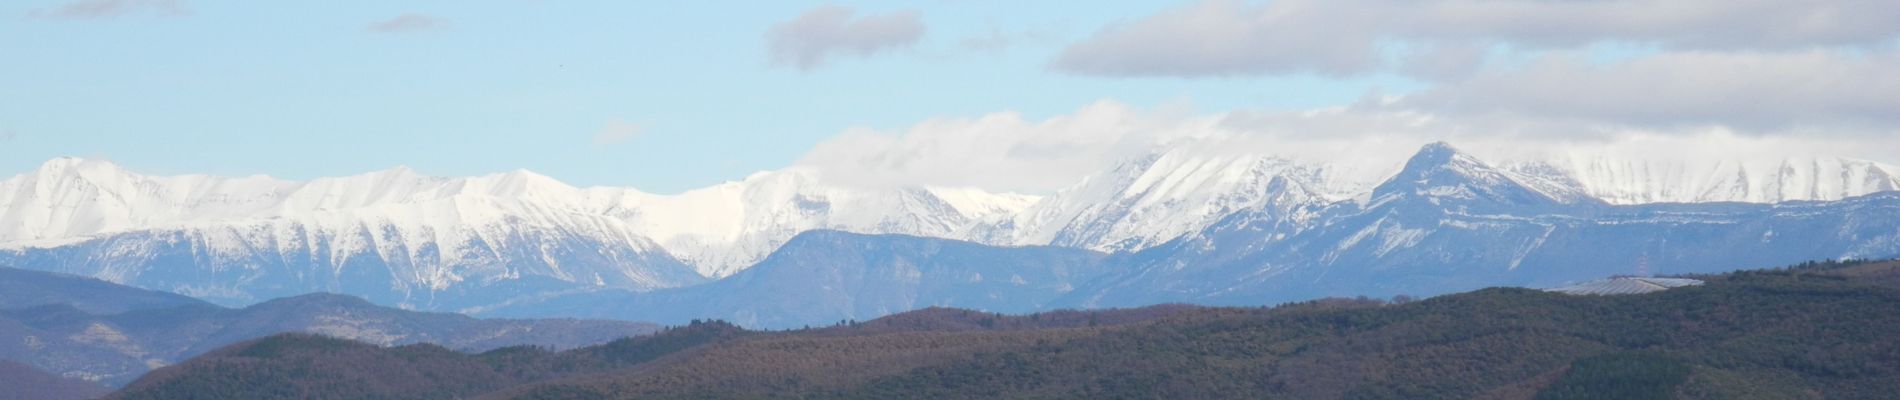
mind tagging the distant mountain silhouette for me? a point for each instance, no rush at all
(23, 382)
(112, 334)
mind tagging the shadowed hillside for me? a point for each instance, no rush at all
(112, 334)
(23, 382)
(1815, 331)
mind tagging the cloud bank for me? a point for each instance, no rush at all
(1002, 151)
(1349, 37)
(98, 9)
(812, 39)
(1006, 152)
(1506, 79)
(1752, 93)
(408, 23)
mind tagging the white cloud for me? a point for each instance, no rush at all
(1343, 37)
(1000, 151)
(1754, 93)
(617, 131)
(95, 9)
(1362, 135)
(1224, 37)
(808, 41)
(996, 39)
(408, 23)
(1551, 68)
(1444, 61)
(1006, 152)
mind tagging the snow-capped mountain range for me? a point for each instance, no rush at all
(717, 229)
(1632, 181)
(408, 237)
(399, 237)
(1180, 190)
(1446, 222)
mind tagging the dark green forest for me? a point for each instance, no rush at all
(1817, 330)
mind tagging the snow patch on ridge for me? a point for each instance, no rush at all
(1766, 180)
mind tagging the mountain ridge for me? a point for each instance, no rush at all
(497, 241)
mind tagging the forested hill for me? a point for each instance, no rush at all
(1822, 330)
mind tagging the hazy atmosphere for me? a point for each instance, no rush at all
(668, 97)
(950, 199)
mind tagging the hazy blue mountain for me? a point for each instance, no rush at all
(23, 289)
(150, 330)
(823, 277)
(23, 382)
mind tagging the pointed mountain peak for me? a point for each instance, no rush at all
(1442, 173)
(520, 182)
(1437, 155)
(1437, 164)
(1438, 147)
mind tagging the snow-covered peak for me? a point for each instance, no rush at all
(1625, 180)
(1153, 199)
(1437, 153)
(78, 166)
(724, 228)
(718, 229)
(525, 185)
(81, 171)
(74, 199)
(980, 204)
(68, 198)
(1437, 164)
(1442, 173)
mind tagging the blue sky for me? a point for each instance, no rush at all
(306, 90)
(668, 96)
